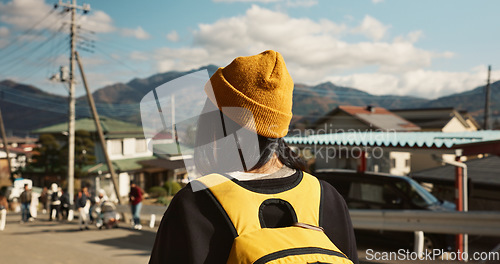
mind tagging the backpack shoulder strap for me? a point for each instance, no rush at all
(242, 206)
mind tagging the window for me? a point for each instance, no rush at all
(373, 196)
(393, 163)
(407, 163)
(140, 146)
(116, 147)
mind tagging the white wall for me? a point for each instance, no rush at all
(124, 183)
(402, 166)
(128, 149)
(454, 125)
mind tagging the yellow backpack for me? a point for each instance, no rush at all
(304, 242)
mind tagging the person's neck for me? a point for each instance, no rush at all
(270, 167)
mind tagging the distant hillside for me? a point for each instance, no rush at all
(473, 101)
(25, 107)
(314, 102)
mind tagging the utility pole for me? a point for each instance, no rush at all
(72, 7)
(6, 146)
(114, 178)
(486, 124)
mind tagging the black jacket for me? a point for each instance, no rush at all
(194, 231)
(25, 197)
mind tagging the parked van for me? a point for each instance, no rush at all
(377, 191)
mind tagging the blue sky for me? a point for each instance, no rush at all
(421, 48)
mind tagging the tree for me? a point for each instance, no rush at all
(48, 154)
(84, 152)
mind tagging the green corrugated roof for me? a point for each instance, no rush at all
(112, 128)
(399, 139)
(172, 149)
(120, 165)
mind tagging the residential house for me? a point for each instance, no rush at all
(347, 118)
(445, 119)
(126, 147)
(20, 153)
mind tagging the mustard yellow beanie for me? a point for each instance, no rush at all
(260, 84)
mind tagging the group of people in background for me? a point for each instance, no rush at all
(56, 203)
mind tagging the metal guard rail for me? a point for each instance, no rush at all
(472, 222)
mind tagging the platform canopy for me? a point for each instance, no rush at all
(462, 143)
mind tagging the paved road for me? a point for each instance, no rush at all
(53, 242)
(48, 242)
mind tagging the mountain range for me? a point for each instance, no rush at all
(25, 107)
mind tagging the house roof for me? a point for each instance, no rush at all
(476, 140)
(164, 164)
(21, 140)
(479, 171)
(123, 165)
(434, 118)
(172, 149)
(112, 128)
(375, 117)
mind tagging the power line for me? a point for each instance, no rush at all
(18, 60)
(38, 34)
(40, 61)
(118, 61)
(29, 29)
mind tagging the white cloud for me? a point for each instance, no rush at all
(421, 83)
(371, 28)
(312, 49)
(22, 14)
(289, 3)
(138, 56)
(173, 36)
(4, 32)
(138, 33)
(97, 21)
(25, 14)
(246, 1)
(301, 3)
(411, 37)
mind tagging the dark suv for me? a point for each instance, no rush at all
(388, 192)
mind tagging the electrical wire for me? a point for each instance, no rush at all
(40, 61)
(116, 61)
(20, 50)
(29, 29)
(37, 47)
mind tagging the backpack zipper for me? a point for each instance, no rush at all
(298, 251)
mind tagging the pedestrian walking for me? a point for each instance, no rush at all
(255, 202)
(55, 202)
(135, 197)
(64, 204)
(97, 210)
(44, 199)
(4, 205)
(25, 200)
(83, 205)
